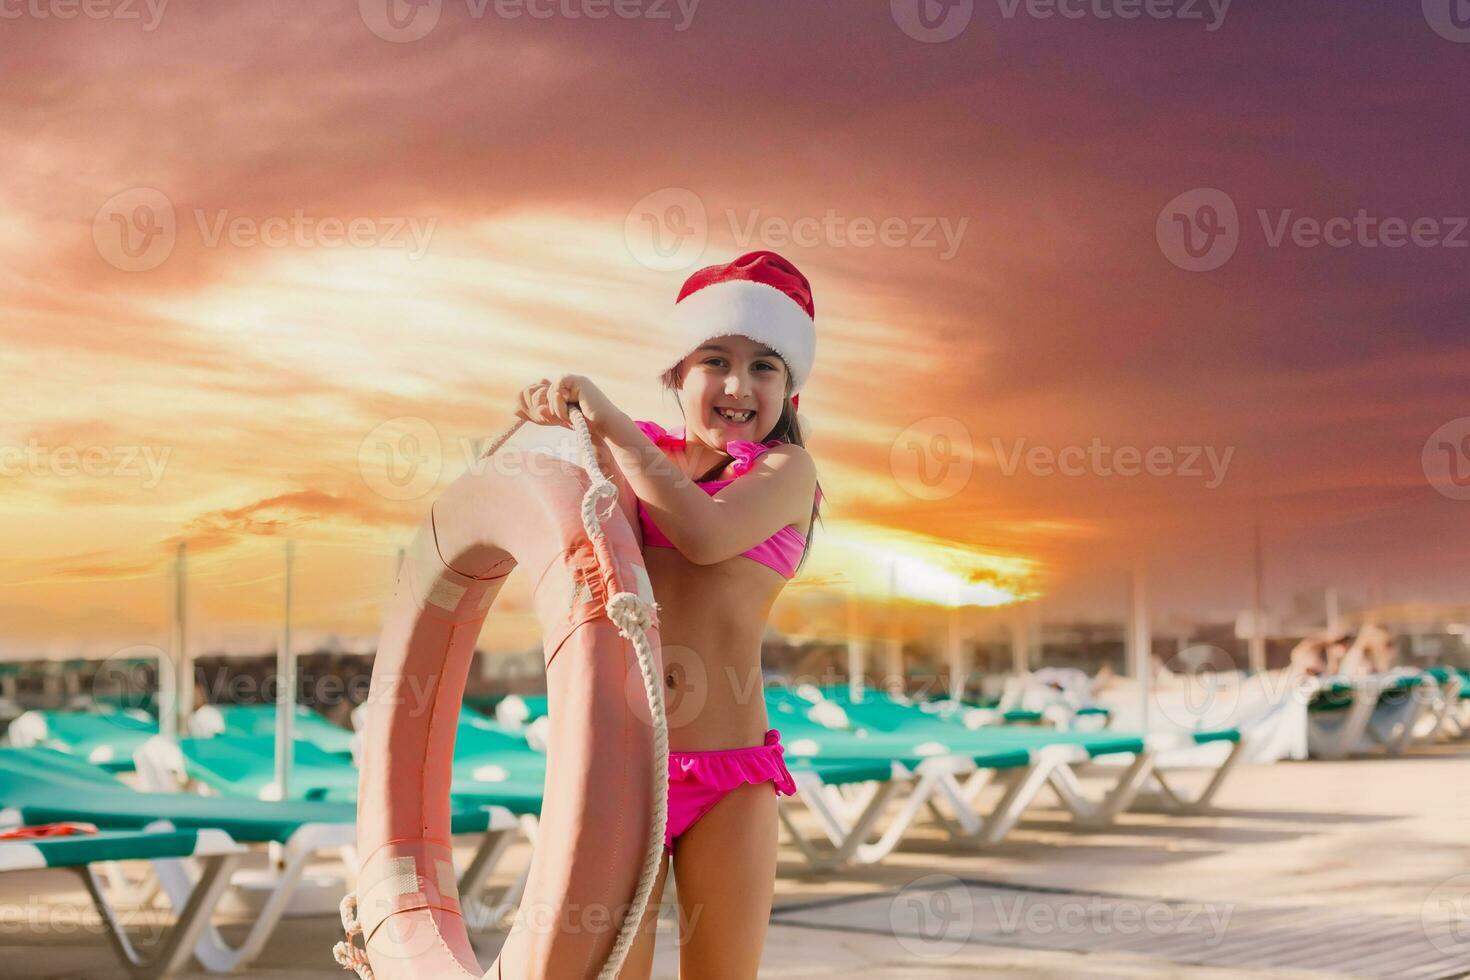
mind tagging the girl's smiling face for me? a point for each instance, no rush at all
(733, 388)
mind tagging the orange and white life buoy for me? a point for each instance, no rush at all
(603, 816)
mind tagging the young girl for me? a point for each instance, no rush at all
(726, 503)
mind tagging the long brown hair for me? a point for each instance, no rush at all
(786, 429)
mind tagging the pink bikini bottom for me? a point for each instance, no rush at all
(699, 780)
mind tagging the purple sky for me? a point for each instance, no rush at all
(1049, 146)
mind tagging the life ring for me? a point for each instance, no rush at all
(602, 821)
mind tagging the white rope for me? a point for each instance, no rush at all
(348, 953)
(633, 618)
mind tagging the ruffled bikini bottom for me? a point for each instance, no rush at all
(699, 780)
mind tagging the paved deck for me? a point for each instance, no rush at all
(1357, 868)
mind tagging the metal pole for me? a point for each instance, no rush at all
(957, 673)
(183, 692)
(1020, 654)
(855, 666)
(286, 688)
(1258, 614)
(168, 668)
(897, 682)
(185, 661)
(1140, 643)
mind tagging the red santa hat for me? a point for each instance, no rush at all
(760, 295)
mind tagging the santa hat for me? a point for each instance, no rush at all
(760, 295)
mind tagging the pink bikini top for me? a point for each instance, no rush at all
(780, 551)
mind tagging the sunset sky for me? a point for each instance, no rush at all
(248, 253)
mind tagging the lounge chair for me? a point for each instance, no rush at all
(518, 710)
(493, 769)
(105, 738)
(848, 823)
(1348, 716)
(245, 766)
(1059, 697)
(259, 720)
(493, 766)
(1014, 707)
(1149, 780)
(1451, 716)
(213, 850)
(1268, 710)
(484, 704)
(849, 802)
(33, 789)
(1131, 762)
(495, 763)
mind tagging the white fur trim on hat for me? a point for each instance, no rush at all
(751, 309)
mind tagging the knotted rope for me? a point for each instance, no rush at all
(347, 952)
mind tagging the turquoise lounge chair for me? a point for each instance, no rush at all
(493, 766)
(259, 720)
(519, 710)
(978, 715)
(213, 850)
(484, 704)
(1453, 714)
(494, 763)
(923, 772)
(1108, 753)
(105, 738)
(848, 798)
(34, 789)
(245, 766)
(1038, 757)
(1348, 716)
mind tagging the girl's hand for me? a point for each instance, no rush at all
(549, 402)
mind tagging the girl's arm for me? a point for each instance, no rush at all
(777, 490)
